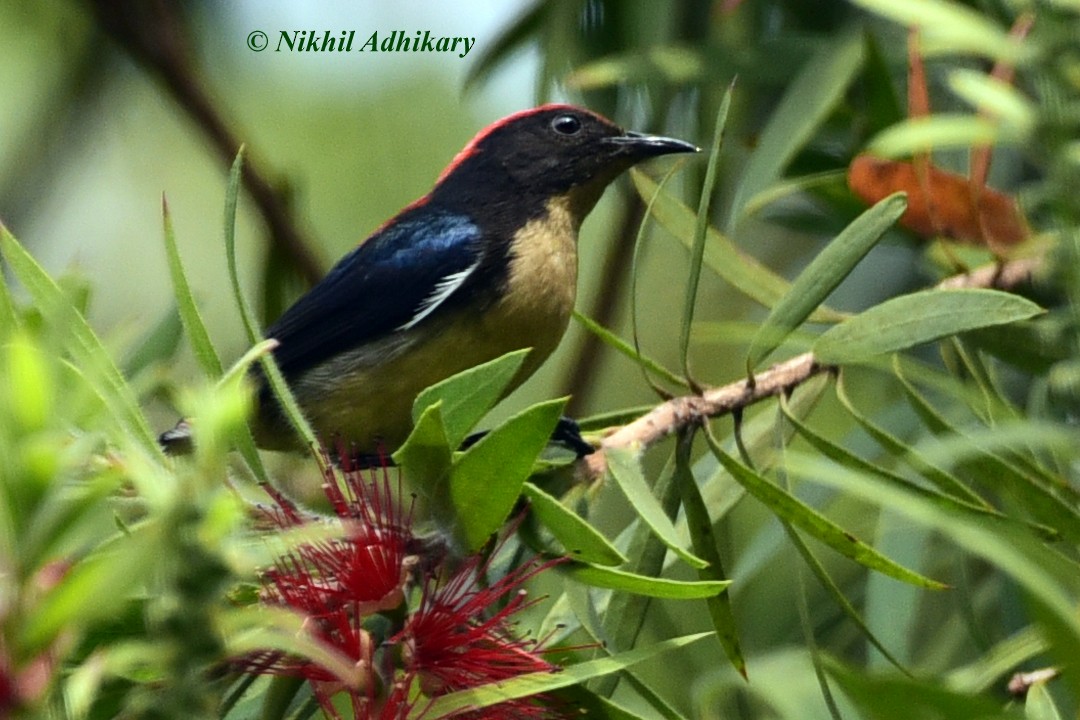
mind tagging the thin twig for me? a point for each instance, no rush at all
(668, 417)
(154, 33)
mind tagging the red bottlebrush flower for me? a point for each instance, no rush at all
(338, 583)
(450, 644)
(366, 569)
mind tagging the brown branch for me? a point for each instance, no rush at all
(154, 34)
(669, 417)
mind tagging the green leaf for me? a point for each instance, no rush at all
(201, 345)
(426, 457)
(701, 224)
(79, 340)
(705, 543)
(900, 698)
(809, 99)
(949, 25)
(1039, 704)
(546, 682)
(625, 613)
(789, 508)
(722, 256)
(909, 320)
(673, 65)
(9, 318)
(467, 396)
(110, 575)
(612, 579)
(1049, 577)
(625, 468)
(486, 480)
(619, 345)
(1004, 657)
(994, 97)
(232, 192)
(942, 131)
(847, 458)
(579, 539)
(896, 447)
(245, 442)
(824, 273)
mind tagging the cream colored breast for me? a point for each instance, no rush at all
(541, 284)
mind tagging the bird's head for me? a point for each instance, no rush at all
(550, 151)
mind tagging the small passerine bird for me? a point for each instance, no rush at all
(484, 264)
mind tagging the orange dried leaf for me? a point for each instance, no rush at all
(941, 203)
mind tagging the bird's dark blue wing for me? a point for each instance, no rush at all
(397, 275)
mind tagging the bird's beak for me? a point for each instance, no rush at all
(641, 146)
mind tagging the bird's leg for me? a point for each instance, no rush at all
(566, 433)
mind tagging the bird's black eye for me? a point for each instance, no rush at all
(566, 125)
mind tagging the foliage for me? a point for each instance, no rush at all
(892, 538)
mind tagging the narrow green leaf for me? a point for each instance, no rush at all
(245, 442)
(625, 469)
(201, 345)
(949, 25)
(945, 481)
(909, 320)
(612, 579)
(467, 396)
(673, 65)
(791, 186)
(1048, 576)
(9, 317)
(849, 459)
(701, 534)
(701, 224)
(79, 340)
(486, 480)
(722, 256)
(995, 455)
(994, 97)
(545, 682)
(824, 273)
(839, 598)
(278, 386)
(619, 345)
(581, 540)
(809, 99)
(635, 264)
(232, 193)
(899, 698)
(942, 131)
(986, 671)
(625, 612)
(789, 508)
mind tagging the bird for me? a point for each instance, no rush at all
(484, 264)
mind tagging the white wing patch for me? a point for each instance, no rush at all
(443, 289)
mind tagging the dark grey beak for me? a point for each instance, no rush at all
(642, 146)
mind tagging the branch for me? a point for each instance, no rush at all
(153, 33)
(669, 417)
